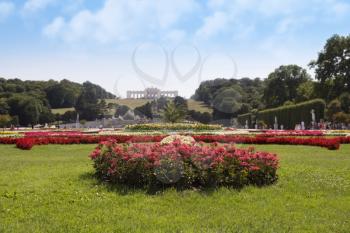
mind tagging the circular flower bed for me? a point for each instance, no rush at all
(183, 165)
(183, 139)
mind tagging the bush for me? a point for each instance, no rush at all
(182, 165)
(25, 143)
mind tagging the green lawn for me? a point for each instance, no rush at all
(133, 103)
(51, 189)
(61, 110)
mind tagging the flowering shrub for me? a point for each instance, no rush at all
(183, 139)
(25, 143)
(183, 165)
(175, 126)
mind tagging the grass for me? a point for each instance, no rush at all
(51, 189)
(133, 103)
(61, 110)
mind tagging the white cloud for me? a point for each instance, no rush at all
(6, 8)
(124, 19)
(36, 5)
(213, 24)
(55, 27)
(287, 15)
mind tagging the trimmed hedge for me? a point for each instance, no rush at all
(243, 118)
(290, 115)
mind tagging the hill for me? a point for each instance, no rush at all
(133, 103)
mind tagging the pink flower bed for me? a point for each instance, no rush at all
(52, 133)
(330, 143)
(183, 165)
(274, 133)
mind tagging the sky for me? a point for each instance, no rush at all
(172, 45)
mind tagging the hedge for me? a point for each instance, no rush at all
(243, 118)
(290, 115)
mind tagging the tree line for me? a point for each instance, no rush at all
(287, 85)
(30, 102)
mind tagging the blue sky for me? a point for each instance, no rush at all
(132, 44)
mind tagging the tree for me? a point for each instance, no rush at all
(283, 83)
(69, 116)
(305, 91)
(27, 108)
(332, 67)
(144, 110)
(121, 110)
(227, 103)
(341, 117)
(4, 107)
(46, 116)
(172, 113)
(63, 95)
(179, 101)
(345, 102)
(161, 103)
(88, 105)
(250, 90)
(333, 107)
(204, 117)
(5, 120)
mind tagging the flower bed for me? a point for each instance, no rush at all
(183, 165)
(52, 133)
(327, 142)
(174, 127)
(292, 133)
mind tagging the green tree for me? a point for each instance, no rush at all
(4, 107)
(46, 116)
(332, 67)
(227, 103)
(121, 110)
(5, 120)
(27, 108)
(282, 84)
(172, 113)
(306, 91)
(88, 105)
(341, 117)
(332, 108)
(179, 101)
(144, 110)
(345, 102)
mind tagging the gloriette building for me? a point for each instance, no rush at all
(150, 93)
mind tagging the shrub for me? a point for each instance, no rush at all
(25, 143)
(183, 165)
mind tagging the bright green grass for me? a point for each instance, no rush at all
(51, 189)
